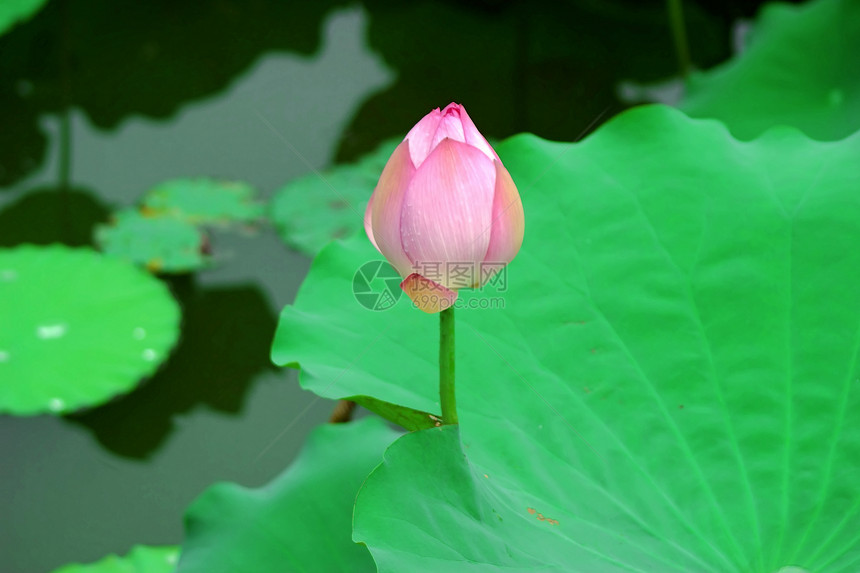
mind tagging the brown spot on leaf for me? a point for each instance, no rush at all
(541, 517)
(150, 213)
(338, 204)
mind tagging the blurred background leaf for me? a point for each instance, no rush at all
(204, 201)
(140, 559)
(313, 210)
(801, 68)
(16, 11)
(301, 521)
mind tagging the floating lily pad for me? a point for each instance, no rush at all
(801, 68)
(140, 559)
(204, 201)
(77, 327)
(317, 208)
(667, 383)
(15, 11)
(301, 521)
(161, 244)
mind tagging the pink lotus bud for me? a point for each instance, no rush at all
(445, 213)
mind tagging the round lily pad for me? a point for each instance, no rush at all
(161, 244)
(301, 521)
(77, 328)
(140, 559)
(204, 201)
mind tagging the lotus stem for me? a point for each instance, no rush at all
(679, 34)
(446, 366)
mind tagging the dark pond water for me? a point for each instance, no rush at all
(261, 92)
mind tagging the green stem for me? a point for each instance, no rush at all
(65, 136)
(679, 34)
(65, 164)
(446, 366)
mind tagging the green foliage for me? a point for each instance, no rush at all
(140, 559)
(15, 11)
(204, 201)
(316, 208)
(801, 69)
(301, 521)
(162, 244)
(669, 386)
(77, 328)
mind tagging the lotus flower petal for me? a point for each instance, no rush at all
(473, 136)
(508, 224)
(420, 137)
(451, 123)
(447, 209)
(385, 207)
(368, 227)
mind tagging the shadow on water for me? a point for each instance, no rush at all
(44, 216)
(224, 346)
(115, 59)
(549, 68)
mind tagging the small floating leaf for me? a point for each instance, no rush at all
(161, 244)
(203, 201)
(318, 207)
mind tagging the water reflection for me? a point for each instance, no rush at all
(44, 216)
(549, 68)
(132, 58)
(224, 346)
(93, 496)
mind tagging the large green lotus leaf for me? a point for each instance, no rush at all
(77, 327)
(204, 201)
(15, 11)
(140, 559)
(802, 68)
(316, 208)
(301, 521)
(669, 386)
(161, 244)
